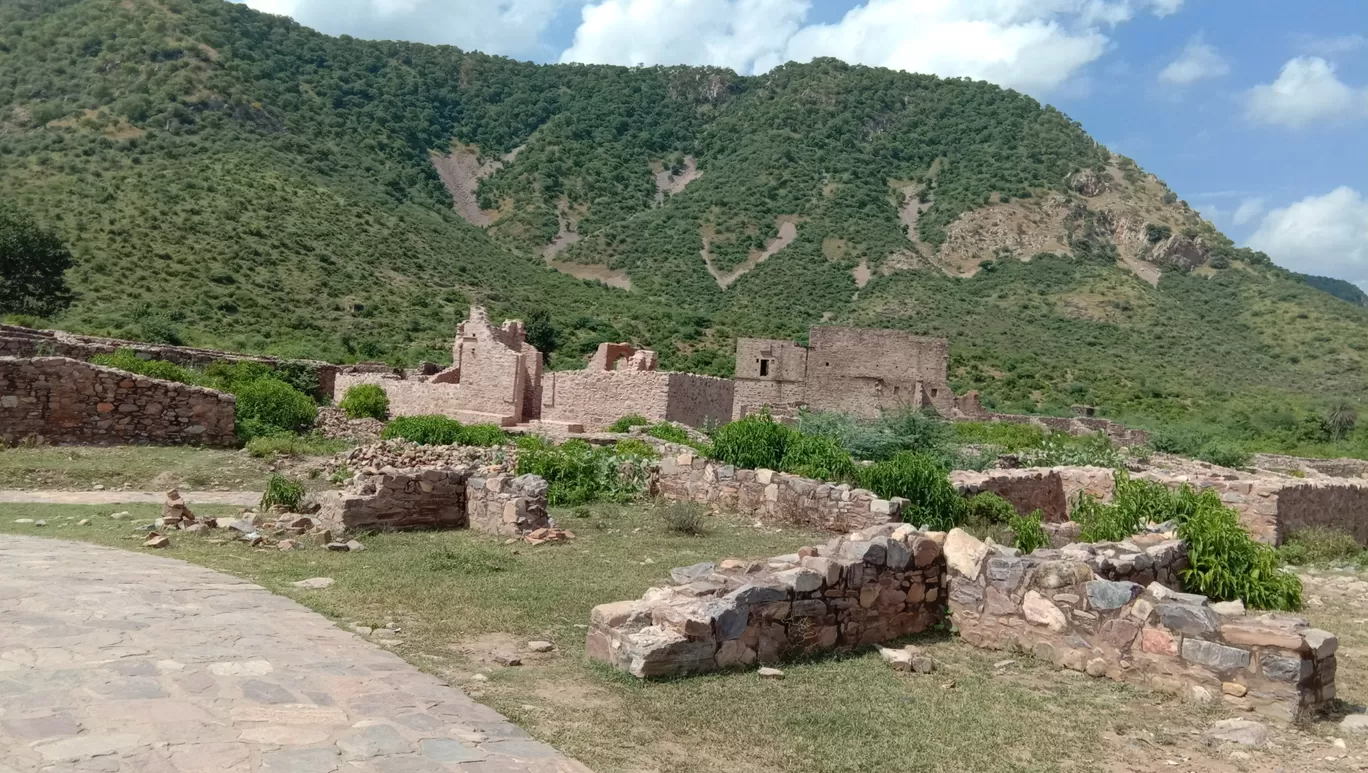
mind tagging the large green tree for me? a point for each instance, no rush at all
(33, 264)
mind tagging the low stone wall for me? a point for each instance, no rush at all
(597, 398)
(60, 400)
(18, 341)
(424, 397)
(453, 497)
(1057, 607)
(1027, 490)
(1339, 505)
(770, 496)
(875, 585)
(699, 401)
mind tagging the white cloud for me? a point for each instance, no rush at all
(1034, 45)
(1247, 211)
(1330, 45)
(513, 27)
(1323, 235)
(1307, 91)
(1197, 62)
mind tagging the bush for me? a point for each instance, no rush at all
(1062, 449)
(1008, 436)
(752, 443)
(483, 435)
(814, 456)
(988, 507)
(1028, 533)
(670, 433)
(365, 401)
(1319, 545)
(688, 518)
(424, 430)
(921, 479)
(626, 423)
(313, 444)
(269, 407)
(280, 490)
(880, 440)
(127, 359)
(578, 473)
(1135, 503)
(634, 447)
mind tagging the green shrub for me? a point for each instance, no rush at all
(881, 439)
(1319, 545)
(578, 473)
(1062, 449)
(921, 479)
(365, 401)
(1010, 437)
(1135, 503)
(988, 507)
(1225, 563)
(626, 423)
(1224, 455)
(689, 518)
(1028, 533)
(280, 490)
(671, 433)
(313, 444)
(424, 430)
(232, 376)
(634, 447)
(268, 407)
(814, 456)
(127, 359)
(752, 443)
(483, 435)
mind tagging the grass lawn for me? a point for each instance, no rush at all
(141, 468)
(458, 597)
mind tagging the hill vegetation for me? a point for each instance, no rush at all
(232, 179)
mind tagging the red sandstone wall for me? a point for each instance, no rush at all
(62, 400)
(596, 399)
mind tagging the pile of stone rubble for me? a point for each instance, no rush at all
(275, 528)
(404, 454)
(333, 423)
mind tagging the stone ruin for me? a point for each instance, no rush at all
(1069, 607)
(484, 499)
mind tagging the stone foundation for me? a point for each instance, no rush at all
(60, 400)
(875, 585)
(451, 498)
(770, 496)
(1061, 609)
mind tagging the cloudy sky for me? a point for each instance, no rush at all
(1254, 111)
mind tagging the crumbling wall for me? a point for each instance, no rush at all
(698, 401)
(1056, 607)
(61, 400)
(622, 356)
(873, 586)
(773, 497)
(420, 397)
(18, 341)
(1027, 490)
(864, 372)
(597, 398)
(1340, 504)
(447, 497)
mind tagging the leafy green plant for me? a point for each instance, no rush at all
(921, 479)
(1009, 436)
(669, 432)
(880, 439)
(988, 508)
(128, 360)
(688, 518)
(1028, 533)
(754, 442)
(365, 401)
(626, 423)
(282, 491)
(313, 444)
(33, 265)
(269, 407)
(635, 447)
(1319, 545)
(1225, 563)
(814, 456)
(1061, 449)
(578, 473)
(424, 430)
(483, 435)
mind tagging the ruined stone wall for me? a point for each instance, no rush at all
(780, 360)
(698, 401)
(61, 400)
(773, 497)
(1027, 490)
(451, 497)
(410, 397)
(781, 397)
(864, 372)
(25, 342)
(1339, 505)
(1056, 607)
(851, 592)
(597, 398)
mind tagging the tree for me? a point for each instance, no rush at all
(1340, 419)
(540, 332)
(33, 264)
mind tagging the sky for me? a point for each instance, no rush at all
(1254, 111)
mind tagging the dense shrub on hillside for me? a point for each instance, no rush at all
(578, 473)
(921, 479)
(365, 401)
(268, 407)
(751, 443)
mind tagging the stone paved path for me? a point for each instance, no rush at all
(119, 662)
(21, 496)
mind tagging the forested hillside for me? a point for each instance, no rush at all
(232, 179)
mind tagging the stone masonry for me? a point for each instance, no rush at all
(1059, 608)
(872, 586)
(60, 400)
(774, 497)
(489, 501)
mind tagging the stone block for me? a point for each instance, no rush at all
(1107, 594)
(1214, 656)
(1041, 611)
(1188, 618)
(801, 580)
(1158, 641)
(964, 553)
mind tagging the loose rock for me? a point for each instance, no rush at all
(315, 583)
(540, 646)
(770, 673)
(1242, 731)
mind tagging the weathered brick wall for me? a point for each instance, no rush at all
(698, 401)
(597, 398)
(24, 342)
(448, 497)
(863, 372)
(415, 397)
(870, 587)
(783, 361)
(1027, 490)
(769, 496)
(755, 396)
(61, 400)
(1057, 607)
(1341, 504)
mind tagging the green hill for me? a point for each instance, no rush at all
(233, 179)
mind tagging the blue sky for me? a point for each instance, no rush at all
(1254, 111)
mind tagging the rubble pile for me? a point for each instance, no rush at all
(403, 454)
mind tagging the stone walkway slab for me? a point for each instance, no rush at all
(120, 662)
(22, 496)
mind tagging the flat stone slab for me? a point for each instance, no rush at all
(115, 661)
